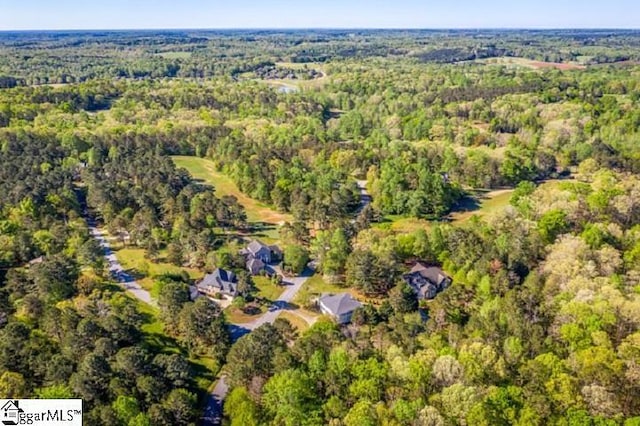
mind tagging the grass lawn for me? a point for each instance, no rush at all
(257, 212)
(530, 63)
(483, 204)
(134, 262)
(489, 203)
(300, 324)
(267, 289)
(238, 316)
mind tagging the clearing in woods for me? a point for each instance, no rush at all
(530, 63)
(257, 212)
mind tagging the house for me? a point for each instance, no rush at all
(427, 281)
(259, 255)
(10, 412)
(255, 266)
(340, 307)
(220, 282)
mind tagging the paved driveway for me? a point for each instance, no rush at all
(116, 270)
(213, 410)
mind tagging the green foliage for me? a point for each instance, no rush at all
(295, 258)
(552, 224)
(534, 330)
(289, 399)
(241, 409)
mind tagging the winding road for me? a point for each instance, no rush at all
(213, 410)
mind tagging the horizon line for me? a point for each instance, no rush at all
(324, 28)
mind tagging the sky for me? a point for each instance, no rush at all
(153, 14)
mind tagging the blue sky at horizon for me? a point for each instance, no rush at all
(140, 14)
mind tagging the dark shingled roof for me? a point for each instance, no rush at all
(221, 280)
(433, 274)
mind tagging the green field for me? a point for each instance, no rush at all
(257, 212)
(145, 271)
(483, 204)
(174, 55)
(512, 61)
(488, 203)
(297, 322)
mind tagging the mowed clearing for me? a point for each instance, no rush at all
(530, 63)
(203, 169)
(482, 204)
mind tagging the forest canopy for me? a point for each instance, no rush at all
(506, 160)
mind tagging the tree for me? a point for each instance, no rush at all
(361, 414)
(295, 259)
(180, 406)
(126, 408)
(290, 399)
(203, 330)
(55, 277)
(552, 224)
(172, 296)
(91, 254)
(447, 370)
(253, 355)
(403, 298)
(241, 409)
(13, 385)
(368, 273)
(92, 379)
(336, 257)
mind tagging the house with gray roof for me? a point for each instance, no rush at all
(259, 255)
(255, 266)
(340, 307)
(427, 281)
(219, 281)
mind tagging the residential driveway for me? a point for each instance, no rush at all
(213, 410)
(293, 286)
(365, 197)
(116, 270)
